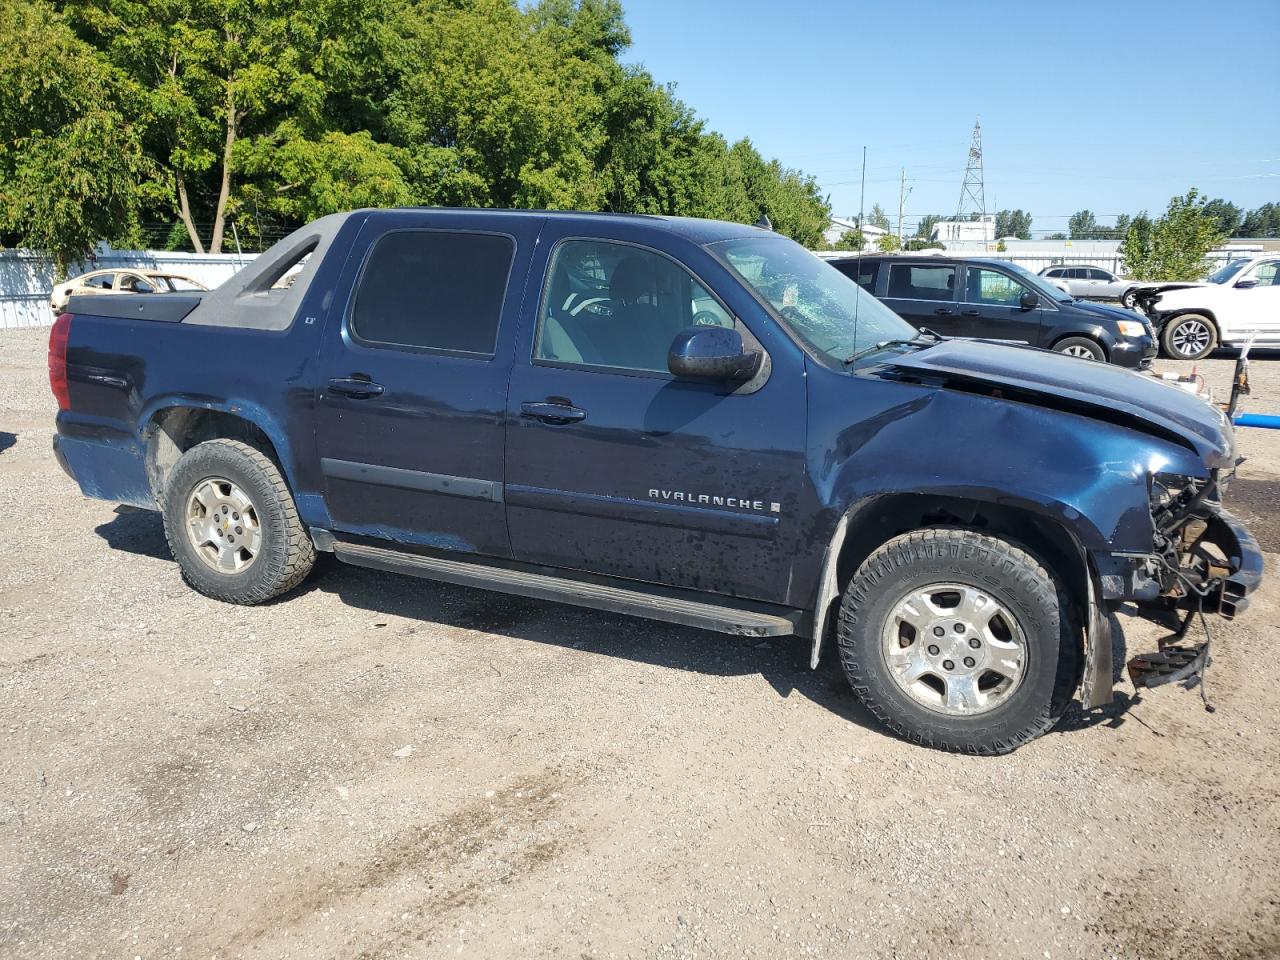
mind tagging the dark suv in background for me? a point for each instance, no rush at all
(997, 300)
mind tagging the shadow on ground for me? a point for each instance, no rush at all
(7, 440)
(783, 661)
(136, 531)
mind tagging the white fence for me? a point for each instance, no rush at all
(27, 277)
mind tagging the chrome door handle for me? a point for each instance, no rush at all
(355, 388)
(556, 413)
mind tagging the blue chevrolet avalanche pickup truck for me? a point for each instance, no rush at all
(686, 420)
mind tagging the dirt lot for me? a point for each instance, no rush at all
(385, 767)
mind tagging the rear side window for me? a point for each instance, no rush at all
(862, 272)
(910, 282)
(104, 282)
(434, 290)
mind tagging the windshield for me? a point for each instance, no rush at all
(832, 315)
(1039, 284)
(1223, 274)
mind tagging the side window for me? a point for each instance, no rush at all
(132, 283)
(1057, 274)
(434, 290)
(612, 305)
(104, 282)
(1100, 275)
(991, 286)
(1265, 273)
(864, 273)
(911, 282)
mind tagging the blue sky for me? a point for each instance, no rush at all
(1111, 106)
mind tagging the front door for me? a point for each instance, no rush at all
(412, 404)
(924, 295)
(1256, 307)
(993, 309)
(616, 467)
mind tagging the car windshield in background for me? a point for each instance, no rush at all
(1039, 284)
(829, 312)
(1223, 274)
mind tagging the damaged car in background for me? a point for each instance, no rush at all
(686, 420)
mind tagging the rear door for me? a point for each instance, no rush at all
(993, 308)
(924, 295)
(414, 367)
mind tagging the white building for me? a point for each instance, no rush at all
(841, 225)
(982, 230)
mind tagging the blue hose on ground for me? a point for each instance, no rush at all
(1267, 421)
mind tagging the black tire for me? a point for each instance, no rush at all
(1129, 299)
(286, 554)
(1015, 580)
(1073, 345)
(1189, 337)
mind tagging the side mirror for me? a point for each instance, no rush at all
(1246, 283)
(712, 353)
(1029, 300)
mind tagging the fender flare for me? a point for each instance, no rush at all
(1095, 686)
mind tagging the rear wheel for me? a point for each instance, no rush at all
(1081, 347)
(959, 641)
(1189, 337)
(232, 524)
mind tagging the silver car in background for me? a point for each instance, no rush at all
(1093, 283)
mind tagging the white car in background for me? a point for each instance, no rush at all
(120, 281)
(1240, 302)
(1092, 283)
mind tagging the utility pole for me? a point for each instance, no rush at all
(902, 202)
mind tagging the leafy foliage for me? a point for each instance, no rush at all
(1013, 223)
(205, 112)
(1262, 222)
(1173, 246)
(888, 243)
(1083, 225)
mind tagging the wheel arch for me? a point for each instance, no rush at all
(1083, 335)
(873, 521)
(173, 429)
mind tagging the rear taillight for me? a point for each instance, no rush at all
(58, 337)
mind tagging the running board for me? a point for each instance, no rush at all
(541, 586)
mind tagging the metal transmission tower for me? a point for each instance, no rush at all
(971, 192)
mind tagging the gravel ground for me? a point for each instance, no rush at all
(384, 767)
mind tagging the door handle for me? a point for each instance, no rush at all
(971, 313)
(943, 312)
(355, 388)
(547, 412)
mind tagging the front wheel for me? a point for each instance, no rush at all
(1081, 347)
(1129, 299)
(232, 524)
(1189, 337)
(959, 641)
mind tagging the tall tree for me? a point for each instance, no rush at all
(71, 163)
(878, 218)
(1262, 222)
(1228, 215)
(1173, 247)
(1013, 223)
(1082, 225)
(924, 228)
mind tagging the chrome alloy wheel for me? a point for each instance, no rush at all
(1080, 351)
(222, 525)
(954, 649)
(1190, 338)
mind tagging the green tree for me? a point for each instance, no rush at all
(920, 243)
(850, 240)
(1227, 214)
(1262, 222)
(888, 243)
(1172, 247)
(1057, 236)
(1082, 225)
(71, 163)
(924, 229)
(1013, 223)
(878, 218)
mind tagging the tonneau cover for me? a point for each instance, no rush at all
(160, 307)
